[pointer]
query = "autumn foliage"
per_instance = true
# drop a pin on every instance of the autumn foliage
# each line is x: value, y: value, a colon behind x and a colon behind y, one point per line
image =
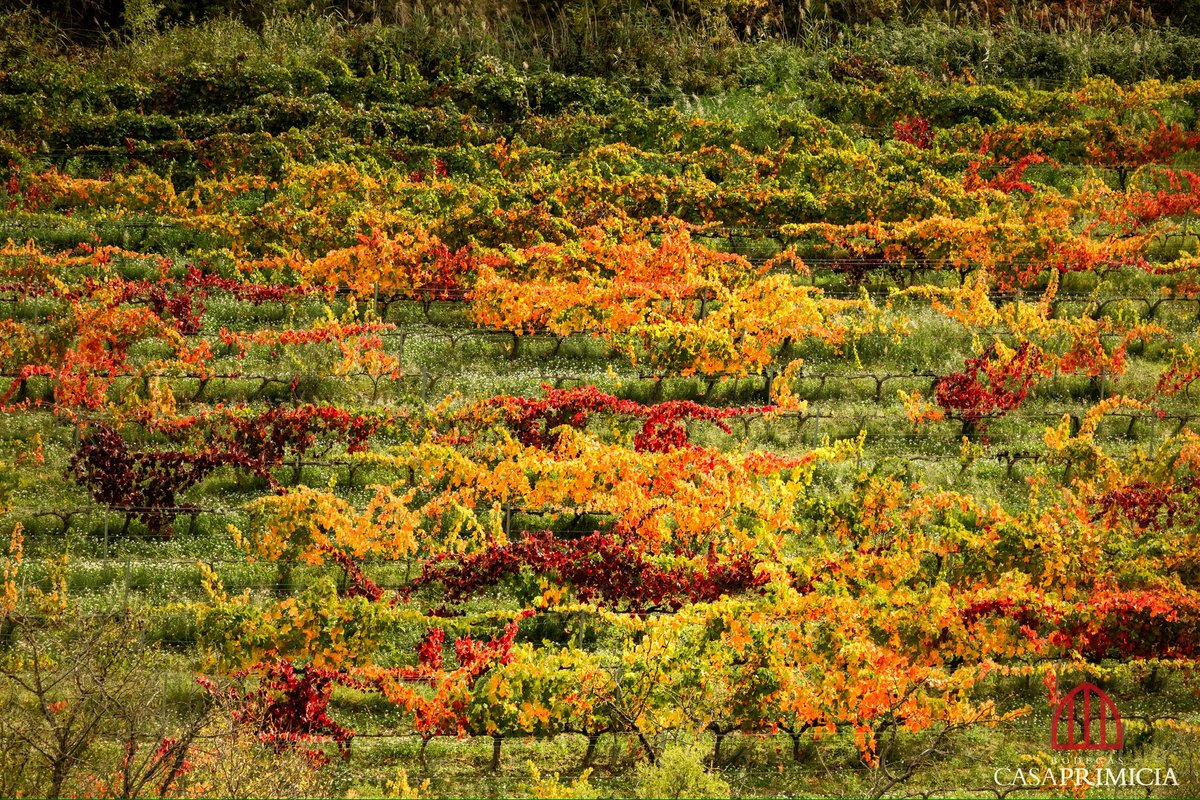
x: 502, y: 407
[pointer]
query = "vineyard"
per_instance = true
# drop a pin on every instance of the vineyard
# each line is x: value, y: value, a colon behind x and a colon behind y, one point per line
x: 476, y: 429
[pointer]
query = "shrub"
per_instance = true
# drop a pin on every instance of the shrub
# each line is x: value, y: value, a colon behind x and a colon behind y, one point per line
x: 680, y: 772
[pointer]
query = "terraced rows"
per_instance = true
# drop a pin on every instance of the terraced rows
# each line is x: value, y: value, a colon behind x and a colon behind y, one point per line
x: 823, y: 419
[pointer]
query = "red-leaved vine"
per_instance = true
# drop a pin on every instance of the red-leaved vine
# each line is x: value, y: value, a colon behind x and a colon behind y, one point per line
x: 534, y: 421
x: 598, y: 568
x: 990, y: 386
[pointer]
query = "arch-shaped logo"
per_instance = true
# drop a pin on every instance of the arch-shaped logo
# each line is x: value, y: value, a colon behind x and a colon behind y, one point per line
x: 1089, y: 719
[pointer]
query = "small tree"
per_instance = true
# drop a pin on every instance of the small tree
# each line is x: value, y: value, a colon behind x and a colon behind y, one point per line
x: 81, y: 711
x: 230, y: 759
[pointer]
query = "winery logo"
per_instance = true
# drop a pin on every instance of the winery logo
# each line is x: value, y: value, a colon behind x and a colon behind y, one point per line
x: 1086, y: 719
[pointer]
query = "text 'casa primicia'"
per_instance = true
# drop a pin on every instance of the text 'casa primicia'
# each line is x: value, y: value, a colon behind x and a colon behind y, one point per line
x: 1083, y: 776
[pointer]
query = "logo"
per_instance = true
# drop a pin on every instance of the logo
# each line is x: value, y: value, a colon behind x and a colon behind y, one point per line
x: 1086, y: 719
